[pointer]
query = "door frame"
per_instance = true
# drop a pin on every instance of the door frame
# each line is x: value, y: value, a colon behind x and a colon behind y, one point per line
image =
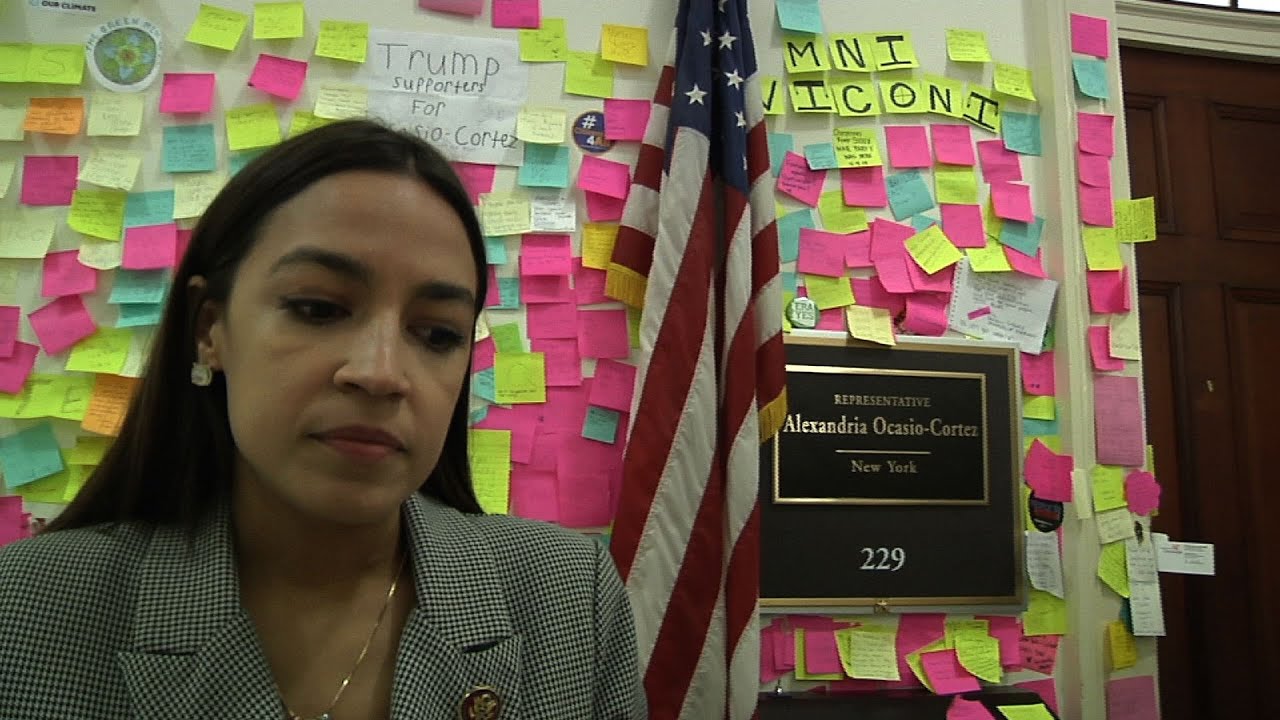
x: 1198, y: 30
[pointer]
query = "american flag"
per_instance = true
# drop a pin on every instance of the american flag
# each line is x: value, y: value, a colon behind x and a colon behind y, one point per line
x: 698, y: 251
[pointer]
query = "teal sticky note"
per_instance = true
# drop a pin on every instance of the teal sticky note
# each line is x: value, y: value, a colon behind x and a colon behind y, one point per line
x: 789, y: 226
x: 139, y: 314
x: 922, y: 222
x: 508, y: 293
x: 779, y: 145
x: 139, y: 286
x: 479, y: 414
x: 820, y: 156
x: 800, y: 16
x: 1021, y: 132
x: 601, y: 424
x: 1091, y: 77
x: 148, y: 208
x: 483, y: 385
x: 1023, y: 237
x: 495, y: 250
x: 189, y: 148
x: 29, y: 455
x: 545, y: 166
x: 908, y: 194
x: 237, y: 161
x: 789, y: 281
x: 1039, y: 428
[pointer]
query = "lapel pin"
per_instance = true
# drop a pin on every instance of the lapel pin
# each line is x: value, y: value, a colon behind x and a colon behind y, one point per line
x: 481, y: 703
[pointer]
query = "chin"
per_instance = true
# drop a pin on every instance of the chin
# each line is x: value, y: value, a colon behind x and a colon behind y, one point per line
x: 360, y: 505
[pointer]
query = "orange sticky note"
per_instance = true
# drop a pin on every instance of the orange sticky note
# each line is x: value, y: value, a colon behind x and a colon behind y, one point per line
x: 107, y: 406
x: 55, y: 115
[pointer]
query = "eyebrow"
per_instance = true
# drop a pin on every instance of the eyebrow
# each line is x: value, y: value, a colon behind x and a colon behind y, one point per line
x: 353, y: 269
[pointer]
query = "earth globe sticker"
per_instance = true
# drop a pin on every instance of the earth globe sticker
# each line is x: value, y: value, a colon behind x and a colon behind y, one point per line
x: 124, y: 54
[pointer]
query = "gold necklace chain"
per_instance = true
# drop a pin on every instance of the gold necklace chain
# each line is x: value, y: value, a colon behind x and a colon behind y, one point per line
x: 386, y: 604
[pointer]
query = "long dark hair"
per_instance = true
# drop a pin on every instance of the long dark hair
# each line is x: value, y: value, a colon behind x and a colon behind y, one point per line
x: 174, y: 455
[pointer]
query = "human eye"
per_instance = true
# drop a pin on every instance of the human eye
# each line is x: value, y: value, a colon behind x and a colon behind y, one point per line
x: 314, y: 310
x: 439, y: 338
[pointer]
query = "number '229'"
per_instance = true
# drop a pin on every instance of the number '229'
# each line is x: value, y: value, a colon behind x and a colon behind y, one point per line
x: 890, y: 559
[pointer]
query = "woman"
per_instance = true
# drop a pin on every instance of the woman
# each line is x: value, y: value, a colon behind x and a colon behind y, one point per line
x: 285, y: 527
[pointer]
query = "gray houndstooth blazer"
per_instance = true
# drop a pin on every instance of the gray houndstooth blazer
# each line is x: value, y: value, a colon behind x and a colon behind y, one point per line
x: 133, y: 622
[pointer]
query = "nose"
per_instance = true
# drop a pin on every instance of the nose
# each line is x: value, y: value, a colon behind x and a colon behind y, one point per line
x: 375, y: 362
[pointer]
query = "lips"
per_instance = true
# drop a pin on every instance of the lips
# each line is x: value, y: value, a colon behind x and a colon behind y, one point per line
x: 362, y: 435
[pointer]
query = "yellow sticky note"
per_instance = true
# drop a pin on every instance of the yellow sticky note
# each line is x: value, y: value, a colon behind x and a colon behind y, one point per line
x: 548, y: 43
x: 55, y: 115
x: 957, y: 627
x: 967, y: 45
x: 946, y: 96
x: 1015, y: 81
x: 504, y: 214
x: 115, y: 114
x: 25, y: 237
x: 11, y: 119
x: 1113, y: 567
x: 855, y: 99
x: 108, y: 168
x: 520, y: 378
x: 956, y: 184
x: 857, y: 147
x: 872, y: 324
x: 586, y: 73
x: 932, y: 250
x: 771, y: 96
x: 994, y: 224
x: 489, y: 452
x: 337, y: 102
x: 802, y: 668
x: 1136, y: 220
x: 343, y: 40
x: 988, y: 259
x: 6, y: 175
x: 597, y: 244
x: 893, y: 51
x: 217, y: 27
x: 980, y: 655
x: 803, y: 53
x: 303, y: 121
x: 97, y: 213
x: 838, y: 217
x: 88, y: 450
x: 102, y: 352
x: 917, y: 667
x: 1025, y: 712
x: 192, y: 192
x: 811, y: 95
x: 541, y: 125
x: 1039, y: 407
x: 1123, y: 647
x: 904, y: 96
x: 625, y: 44
x: 278, y: 20
x: 1126, y: 340
x: 871, y: 652
x: 851, y: 52
x: 55, y: 64
x: 1108, y: 488
x: 829, y: 292
x: 1046, y: 614
x: 13, y: 62
x: 1101, y: 251
x: 507, y: 338
x: 252, y: 126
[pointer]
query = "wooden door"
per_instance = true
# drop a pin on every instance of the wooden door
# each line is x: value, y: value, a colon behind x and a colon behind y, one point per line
x: 1204, y: 139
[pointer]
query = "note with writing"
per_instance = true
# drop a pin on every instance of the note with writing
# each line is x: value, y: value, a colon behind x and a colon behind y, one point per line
x: 109, y: 168
x: 217, y: 27
x: 967, y: 46
x: 520, y: 378
x: 869, y: 651
x: 798, y: 181
x: 189, y: 148
x: 30, y: 454
x: 1020, y: 306
x: 252, y: 126
x: 587, y: 73
x: 97, y: 213
x: 115, y: 114
x: 1118, y: 421
x: 548, y: 43
x: 343, y: 40
x: 541, y: 125
x: 489, y: 453
x: 278, y: 20
x: 625, y: 44
x: 1044, y: 562
x: 279, y: 76
x: 54, y: 115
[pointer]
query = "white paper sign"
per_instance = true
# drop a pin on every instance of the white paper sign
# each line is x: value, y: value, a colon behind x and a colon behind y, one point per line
x: 1114, y: 525
x: 553, y: 212
x: 465, y: 129
x: 1140, y: 560
x: 445, y: 66
x: 1187, y: 558
x: 1044, y: 562
x: 1146, y: 609
x: 1019, y: 306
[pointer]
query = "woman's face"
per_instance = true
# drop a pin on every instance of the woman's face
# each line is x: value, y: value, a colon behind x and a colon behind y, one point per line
x: 344, y: 343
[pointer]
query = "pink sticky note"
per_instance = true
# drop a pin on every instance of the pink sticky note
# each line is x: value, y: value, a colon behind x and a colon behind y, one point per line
x: 613, y: 386
x: 62, y: 323
x: 1045, y: 689
x: 492, y: 295
x: 962, y: 709
x: 545, y: 255
x: 1090, y: 35
x: 10, y: 322
x: 952, y: 144
x: 1039, y: 653
x: 941, y: 282
x: 279, y: 76
x: 545, y: 289
x: 1109, y: 291
x: 1038, y: 376
x: 15, y: 368
x: 889, y: 255
x: 187, y: 93
x: 457, y: 7
x: 1012, y: 201
x: 553, y: 320
x: 478, y: 179
x: 1048, y: 473
x: 769, y: 670
x: 534, y: 494
x: 998, y: 163
x: 1142, y: 492
x: 517, y: 14
x: 584, y: 497
x: 603, y: 334
x: 150, y: 247
x: 864, y: 186
x: 962, y: 224
x: 926, y: 314
x: 908, y: 146
x: 483, y: 354
x: 1097, y: 206
x: 872, y: 293
x: 564, y: 364
x: 1095, y: 170
x: 1025, y: 264
x: 1008, y: 630
x: 820, y: 652
x: 832, y: 319
x: 1100, y: 349
x: 1118, y: 421
x: 606, y: 177
x: 588, y: 284
x: 1132, y: 698
x: 798, y: 181
x: 1097, y: 133
x: 946, y: 674
x: 49, y: 179
x: 822, y: 253
x: 602, y: 208
x: 64, y: 275
x: 626, y: 119
x: 857, y: 251
x: 784, y: 653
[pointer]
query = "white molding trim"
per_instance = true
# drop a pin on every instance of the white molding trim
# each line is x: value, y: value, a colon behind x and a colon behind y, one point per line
x: 1202, y: 30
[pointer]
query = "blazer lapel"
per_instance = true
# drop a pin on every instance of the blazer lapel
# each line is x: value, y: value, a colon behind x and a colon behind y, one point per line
x: 459, y: 639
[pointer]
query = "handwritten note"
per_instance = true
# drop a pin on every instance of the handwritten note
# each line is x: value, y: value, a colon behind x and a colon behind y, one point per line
x: 279, y: 76
x: 54, y: 115
x: 342, y: 40
x: 873, y: 324
x: 1015, y: 81
x: 548, y: 43
x: 489, y: 453
x: 968, y: 46
x: 278, y: 20
x: 520, y: 378
x: 97, y: 213
x: 857, y: 147
x: 217, y: 27
x: 115, y: 114
x: 252, y: 126
x: 189, y: 148
x: 1044, y: 562
x: 192, y: 192
x: 30, y: 454
x: 336, y: 102
x: 108, y: 168
x: 1118, y: 421
x: 625, y: 44
x: 541, y: 125
x: 589, y: 74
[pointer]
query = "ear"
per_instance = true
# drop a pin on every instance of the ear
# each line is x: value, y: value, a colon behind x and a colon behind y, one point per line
x: 209, y: 330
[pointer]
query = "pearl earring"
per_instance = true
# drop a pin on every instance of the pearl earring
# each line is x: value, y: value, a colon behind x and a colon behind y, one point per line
x: 201, y: 374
